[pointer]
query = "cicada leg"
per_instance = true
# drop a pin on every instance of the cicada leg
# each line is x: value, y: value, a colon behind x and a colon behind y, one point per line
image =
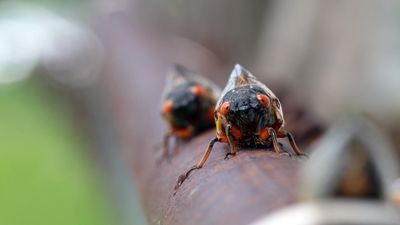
x: 289, y: 136
x: 233, y: 148
x: 179, y: 135
x: 165, y: 152
x: 199, y: 165
x: 274, y: 139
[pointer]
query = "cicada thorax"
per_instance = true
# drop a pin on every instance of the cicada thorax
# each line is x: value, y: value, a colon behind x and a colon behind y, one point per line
x: 189, y: 106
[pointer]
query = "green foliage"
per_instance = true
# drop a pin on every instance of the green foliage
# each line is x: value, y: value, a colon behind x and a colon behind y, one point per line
x: 45, y: 175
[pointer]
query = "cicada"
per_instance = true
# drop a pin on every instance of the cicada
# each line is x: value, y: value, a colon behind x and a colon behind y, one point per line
x: 188, y: 104
x: 247, y: 114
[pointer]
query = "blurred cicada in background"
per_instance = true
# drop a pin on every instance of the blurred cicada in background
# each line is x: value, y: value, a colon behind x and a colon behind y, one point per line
x: 188, y: 104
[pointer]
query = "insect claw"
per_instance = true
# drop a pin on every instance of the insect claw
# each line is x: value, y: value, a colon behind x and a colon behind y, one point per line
x: 183, y: 177
x: 285, y: 154
x: 180, y: 180
x: 229, y: 154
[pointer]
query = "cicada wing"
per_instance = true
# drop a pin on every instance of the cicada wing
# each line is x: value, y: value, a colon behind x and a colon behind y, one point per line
x: 178, y: 75
x: 214, y: 90
x: 175, y: 77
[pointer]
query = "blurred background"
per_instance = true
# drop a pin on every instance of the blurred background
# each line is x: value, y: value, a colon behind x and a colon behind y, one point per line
x: 64, y: 134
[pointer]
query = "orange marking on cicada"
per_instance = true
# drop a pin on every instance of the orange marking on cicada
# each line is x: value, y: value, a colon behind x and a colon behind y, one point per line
x: 198, y: 90
x: 184, y: 133
x: 224, y: 109
x: 210, y: 113
x: 223, y: 138
x: 167, y: 106
x: 236, y: 133
x: 264, y: 134
x: 263, y: 99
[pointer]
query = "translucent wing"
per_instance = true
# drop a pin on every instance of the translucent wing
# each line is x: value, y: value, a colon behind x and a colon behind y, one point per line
x: 178, y: 75
x: 242, y: 77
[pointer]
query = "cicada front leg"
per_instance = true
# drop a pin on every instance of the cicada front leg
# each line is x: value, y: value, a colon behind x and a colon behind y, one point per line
x: 269, y: 133
x: 232, y: 146
x: 199, y: 165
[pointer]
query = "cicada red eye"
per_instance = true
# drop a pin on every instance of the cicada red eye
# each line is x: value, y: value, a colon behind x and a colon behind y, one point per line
x: 225, y: 108
x: 264, y: 100
x: 198, y: 90
x: 167, y: 107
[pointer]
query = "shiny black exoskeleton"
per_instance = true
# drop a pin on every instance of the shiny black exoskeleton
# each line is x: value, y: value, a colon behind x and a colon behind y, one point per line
x: 248, y: 114
x: 190, y: 109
